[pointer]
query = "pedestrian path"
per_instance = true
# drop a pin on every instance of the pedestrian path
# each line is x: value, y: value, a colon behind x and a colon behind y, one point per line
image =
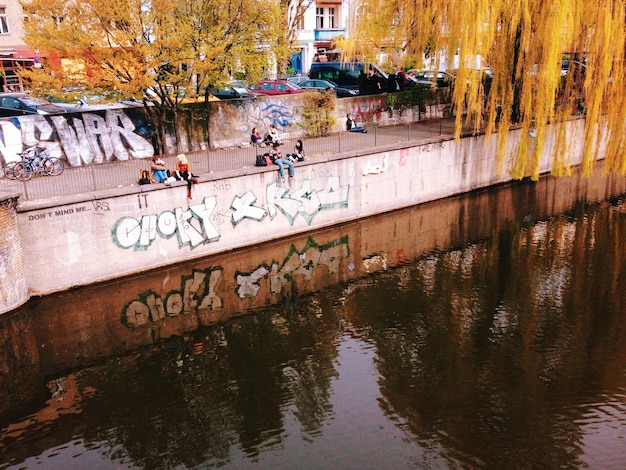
x: 125, y: 174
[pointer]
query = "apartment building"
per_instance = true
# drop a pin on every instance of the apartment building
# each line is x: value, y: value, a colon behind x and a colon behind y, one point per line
x: 317, y: 27
x: 14, y: 53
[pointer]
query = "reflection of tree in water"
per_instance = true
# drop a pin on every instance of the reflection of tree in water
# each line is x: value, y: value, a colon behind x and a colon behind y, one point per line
x: 475, y: 364
x: 188, y: 402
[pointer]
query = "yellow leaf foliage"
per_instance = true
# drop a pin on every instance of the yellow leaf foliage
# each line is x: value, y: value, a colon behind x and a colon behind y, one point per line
x: 174, y: 47
x: 523, y: 43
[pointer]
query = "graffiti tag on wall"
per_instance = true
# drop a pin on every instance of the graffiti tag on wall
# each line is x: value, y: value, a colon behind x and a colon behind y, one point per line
x: 80, y: 139
x: 194, y: 226
x: 198, y: 290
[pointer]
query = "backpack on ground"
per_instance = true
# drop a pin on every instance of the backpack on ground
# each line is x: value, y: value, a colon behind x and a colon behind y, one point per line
x: 263, y: 160
x: 144, y: 177
x: 260, y: 161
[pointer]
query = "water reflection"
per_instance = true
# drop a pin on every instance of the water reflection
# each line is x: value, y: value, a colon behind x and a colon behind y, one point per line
x: 478, y: 332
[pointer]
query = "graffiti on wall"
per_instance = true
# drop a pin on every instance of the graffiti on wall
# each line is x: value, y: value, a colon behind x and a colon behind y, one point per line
x: 239, y: 117
x: 371, y: 107
x: 198, y: 290
x: 374, y: 168
x: 191, y: 226
x: 79, y: 139
x: 196, y: 225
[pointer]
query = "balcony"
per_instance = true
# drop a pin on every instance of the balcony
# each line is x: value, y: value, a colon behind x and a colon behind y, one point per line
x: 328, y: 34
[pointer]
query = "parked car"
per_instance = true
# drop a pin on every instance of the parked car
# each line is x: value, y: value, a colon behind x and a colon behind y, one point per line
x: 344, y: 74
x: 328, y: 85
x: 276, y: 87
x: 442, y: 79
x: 20, y: 104
x: 77, y: 99
x: 232, y: 92
x: 296, y: 80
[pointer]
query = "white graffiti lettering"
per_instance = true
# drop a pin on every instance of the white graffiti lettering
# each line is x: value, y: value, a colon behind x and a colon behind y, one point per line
x: 305, y: 201
x: 375, y: 169
x: 79, y: 139
x: 192, y: 226
x: 243, y: 208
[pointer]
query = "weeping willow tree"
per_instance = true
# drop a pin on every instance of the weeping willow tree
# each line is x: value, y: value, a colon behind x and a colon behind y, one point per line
x: 523, y: 43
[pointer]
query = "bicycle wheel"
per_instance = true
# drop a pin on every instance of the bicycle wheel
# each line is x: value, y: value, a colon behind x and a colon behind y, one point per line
x: 23, y: 171
x: 53, y: 166
x: 8, y: 171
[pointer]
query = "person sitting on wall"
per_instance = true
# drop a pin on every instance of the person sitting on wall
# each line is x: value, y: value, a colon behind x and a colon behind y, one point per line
x: 272, y: 136
x: 279, y: 160
x: 183, y: 172
x: 352, y: 126
x: 255, y: 137
x: 299, y: 150
x: 158, y: 170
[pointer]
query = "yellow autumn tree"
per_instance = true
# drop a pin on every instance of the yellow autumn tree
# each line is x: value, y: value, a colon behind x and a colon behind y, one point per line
x: 162, y: 52
x: 523, y: 44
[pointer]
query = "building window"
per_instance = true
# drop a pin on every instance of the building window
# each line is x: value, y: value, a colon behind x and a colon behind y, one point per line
x: 319, y: 18
x: 326, y: 18
x: 4, y: 22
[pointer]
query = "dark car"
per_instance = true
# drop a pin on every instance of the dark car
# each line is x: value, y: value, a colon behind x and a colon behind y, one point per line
x: 296, y: 80
x: 441, y: 79
x: 20, y: 104
x: 276, y: 87
x: 232, y: 92
x: 322, y: 85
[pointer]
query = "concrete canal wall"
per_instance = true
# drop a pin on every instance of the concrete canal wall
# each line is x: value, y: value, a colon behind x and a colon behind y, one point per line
x: 88, y: 238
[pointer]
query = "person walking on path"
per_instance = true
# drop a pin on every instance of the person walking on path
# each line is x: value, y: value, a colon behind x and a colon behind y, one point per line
x: 183, y: 171
x: 279, y: 160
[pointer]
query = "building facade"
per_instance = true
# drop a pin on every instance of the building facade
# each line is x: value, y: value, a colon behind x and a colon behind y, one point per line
x: 14, y: 53
x: 318, y: 25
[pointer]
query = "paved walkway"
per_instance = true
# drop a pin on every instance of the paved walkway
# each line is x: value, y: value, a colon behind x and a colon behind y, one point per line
x: 121, y: 174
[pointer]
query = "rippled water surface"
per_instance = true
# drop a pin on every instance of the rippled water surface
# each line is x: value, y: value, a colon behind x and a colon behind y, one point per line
x: 480, y: 332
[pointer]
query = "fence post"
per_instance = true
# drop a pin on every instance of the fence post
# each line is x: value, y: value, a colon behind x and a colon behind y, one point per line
x: 93, y: 177
x: 25, y: 186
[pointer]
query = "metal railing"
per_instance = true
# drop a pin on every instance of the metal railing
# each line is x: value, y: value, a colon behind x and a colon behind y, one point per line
x: 126, y: 173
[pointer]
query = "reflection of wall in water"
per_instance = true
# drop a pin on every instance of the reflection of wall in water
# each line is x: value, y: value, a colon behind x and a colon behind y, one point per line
x: 70, y: 329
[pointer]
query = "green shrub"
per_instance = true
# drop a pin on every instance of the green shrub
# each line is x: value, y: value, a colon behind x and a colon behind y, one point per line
x: 318, y: 115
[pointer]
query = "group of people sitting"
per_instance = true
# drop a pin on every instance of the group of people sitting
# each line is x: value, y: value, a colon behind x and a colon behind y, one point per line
x: 159, y: 173
x: 272, y: 137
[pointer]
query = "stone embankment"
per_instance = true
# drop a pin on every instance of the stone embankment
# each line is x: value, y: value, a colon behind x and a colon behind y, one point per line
x: 98, y: 236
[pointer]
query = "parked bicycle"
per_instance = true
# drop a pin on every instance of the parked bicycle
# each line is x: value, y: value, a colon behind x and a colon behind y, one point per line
x: 35, y: 161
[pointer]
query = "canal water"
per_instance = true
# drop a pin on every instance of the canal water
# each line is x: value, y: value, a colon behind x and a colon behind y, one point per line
x: 481, y: 332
